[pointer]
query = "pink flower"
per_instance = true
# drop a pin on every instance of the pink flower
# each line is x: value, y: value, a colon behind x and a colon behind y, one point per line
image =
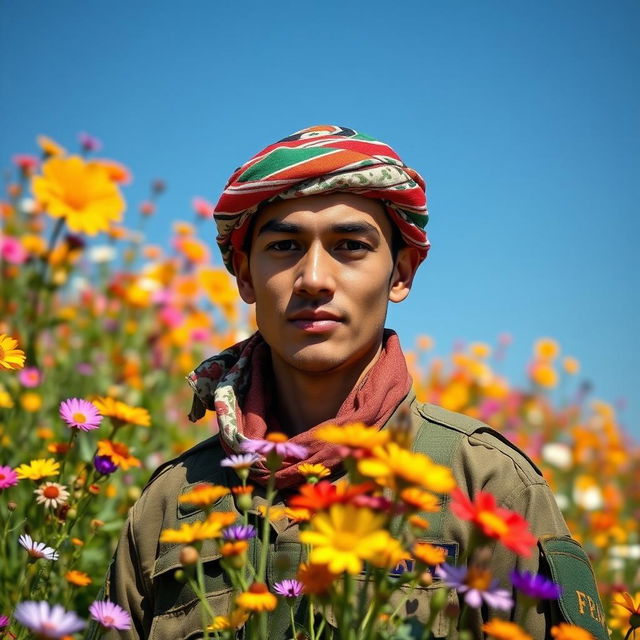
x: 202, y: 207
x: 275, y: 445
x: 80, y: 414
x: 8, y: 477
x: 30, y: 377
x: 110, y: 615
x: 48, y: 621
x: 26, y: 163
x: 12, y: 251
x: 89, y: 142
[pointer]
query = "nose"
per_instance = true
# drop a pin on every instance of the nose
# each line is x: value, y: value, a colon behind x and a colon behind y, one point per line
x: 315, y: 272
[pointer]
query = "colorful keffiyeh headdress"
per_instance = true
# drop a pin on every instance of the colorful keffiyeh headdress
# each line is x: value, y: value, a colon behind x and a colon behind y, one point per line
x: 318, y: 160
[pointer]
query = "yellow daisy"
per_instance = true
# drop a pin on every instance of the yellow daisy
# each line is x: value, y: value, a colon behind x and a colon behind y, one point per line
x: 421, y: 500
x: 316, y: 471
x: 50, y: 147
x: 10, y: 357
x: 119, y: 454
x: 204, y: 494
x: 38, y: 469
x: 355, y: 436
x: 120, y: 411
x: 193, y: 532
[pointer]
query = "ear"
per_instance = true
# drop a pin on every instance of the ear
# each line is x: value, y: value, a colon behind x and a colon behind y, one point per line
x: 240, y: 261
x: 404, y: 270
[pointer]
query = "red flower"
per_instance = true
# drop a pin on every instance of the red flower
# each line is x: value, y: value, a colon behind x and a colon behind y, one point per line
x: 321, y: 495
x: 495, y: 522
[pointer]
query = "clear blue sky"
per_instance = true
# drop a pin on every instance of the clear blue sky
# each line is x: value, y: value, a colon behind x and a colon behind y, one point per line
x: 524, y: 117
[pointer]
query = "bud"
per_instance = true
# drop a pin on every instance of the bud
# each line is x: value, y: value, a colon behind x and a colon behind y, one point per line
x: 180, y: 575
x: 12, y: 506
x: 72, y: 514
x: 97, y: 524
x: 94, y: 489
x: 245, y: 501
x: 189, y: 556
x: 425, y: 579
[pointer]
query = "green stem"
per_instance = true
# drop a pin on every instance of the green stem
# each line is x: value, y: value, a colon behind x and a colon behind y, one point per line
x: 266, y: 526
x: 293, y: 621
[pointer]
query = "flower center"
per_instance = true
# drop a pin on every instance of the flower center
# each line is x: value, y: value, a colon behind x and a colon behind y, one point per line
x: 276, y: 437
x: 493, y: 522
x: 107, y: 620
x: 120, y: 449
x: 258, y: 587
x: 479, y: 579
x: 79, y: 417
x: 2, y: 353
x: 51, y: 492
x: 2, y: 476
x: 345, y: 541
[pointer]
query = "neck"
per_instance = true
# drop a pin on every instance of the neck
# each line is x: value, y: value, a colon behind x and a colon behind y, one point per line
x: 305, y: 399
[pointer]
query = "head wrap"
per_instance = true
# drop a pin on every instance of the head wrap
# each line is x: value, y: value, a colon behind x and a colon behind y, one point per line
x: 318, y: 160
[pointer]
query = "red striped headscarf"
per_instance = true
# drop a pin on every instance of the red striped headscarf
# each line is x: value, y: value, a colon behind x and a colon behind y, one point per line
x: 318, y: 160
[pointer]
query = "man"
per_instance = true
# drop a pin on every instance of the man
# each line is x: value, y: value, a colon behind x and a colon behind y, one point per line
x: 322, y: 230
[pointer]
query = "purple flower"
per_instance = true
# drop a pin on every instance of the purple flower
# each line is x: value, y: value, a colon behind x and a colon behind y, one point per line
x: 30, y: 377
x: 288, y: 588
x: 239, y: 532
x: 89, y: 142
x: 4, y: 621
x: 80, y: 414
x: 84, y: 368
x: 46, y: 621
x: 8, y: 477
x: 535, y: 586
x: 104, y: 465
x: 242, y: 461
x: 476, y: 586
x: 273, y: 444
x: 110, y: 615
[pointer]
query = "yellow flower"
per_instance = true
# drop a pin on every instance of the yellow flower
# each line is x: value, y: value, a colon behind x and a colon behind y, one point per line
x: 50, y: 147
x: 571, y: 365
x: 480, y: 350
x: 392, y: 465
x: 31, y: 401
x: 313, y: 470
x: 218, y: 285
x: 564, y: 631
x: 34, y: 244
x: 204, y: 494
x: 193, y: 532
x: 38, y: 469
x: 544, y: 375
x: 81, y: 193
x: 428, y: 553
x: 345, y: 536
x: 5, y: 399
x: 546, y: 349
x: 421, y: 500
x: 79, y: 578
x: 497, y: 629
x: 276, y: 512
x: 236, y: 548
x: 355, y: 435
x: 315, y: 578
x: 257, y: 598
x: 233, y: 621
x: 119, y: 453
x: 455, y: 396
x: 120, y: 411
x: 623, y: 608
x: 10, y: 357
x: 389, y: 556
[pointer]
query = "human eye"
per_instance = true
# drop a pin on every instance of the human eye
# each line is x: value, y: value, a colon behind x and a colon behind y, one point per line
x: 282, y: 245
x: 354, y: 246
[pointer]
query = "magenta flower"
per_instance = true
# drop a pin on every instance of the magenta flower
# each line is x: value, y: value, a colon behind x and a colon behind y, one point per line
x: 30, y: 377
x: 535, y: 586
x: 239, y: 532
x: 11, y: 250
x: 475, y: 586
x: 4, y: 621
x: 89, y: 142
x: 8, y: 477
x: 80, y: 414
x: 110, y: 615
x: 37, y: 549
x: 46, y: 621
x: 26, y: 163
x: 288, y: 588
x: 275, y: 446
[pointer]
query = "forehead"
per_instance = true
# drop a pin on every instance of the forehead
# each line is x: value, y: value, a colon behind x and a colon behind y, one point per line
x: 322, y: 212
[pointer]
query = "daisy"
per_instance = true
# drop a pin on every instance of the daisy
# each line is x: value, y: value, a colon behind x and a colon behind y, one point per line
x: 38, y: 469
x: 80, y: 414
x: 8, y: 477
x: 122, y: 412
x: 10, y: 357
x: 46, y: 621
x: 288, y: 588
x: 313, y: 472
x: 52, y: 495
x: 119, y: 454
x: 476, y: 586
x: 37, y: 549
x: 204, y: 494
x: 257, y: 598
x: 276, y: 444
x: 241, y: 461
x: 30, y: 377
x: 239, y: 532
x: 564, y: 631
x: 497, y: 629
x: 110, y: 615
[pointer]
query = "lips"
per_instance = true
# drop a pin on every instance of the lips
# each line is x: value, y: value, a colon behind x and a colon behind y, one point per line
x: 315, y: 321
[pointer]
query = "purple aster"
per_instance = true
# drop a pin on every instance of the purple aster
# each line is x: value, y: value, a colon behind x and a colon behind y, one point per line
x: 242, y: 461
x: 89, y: 142
x: 80, y: 414
x: 275, y: 446
x: 239, y: 532
x: 110, y: 615
x: 535, y: 586
x: 46, y: 621
x: 476, y: 586
x: 8, y: 477
x: 104, y: 465
x: 288, y: 588
x: 4, y: 621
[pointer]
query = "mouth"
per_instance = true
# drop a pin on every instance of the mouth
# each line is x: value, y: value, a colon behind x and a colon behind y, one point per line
x: 315, y: 321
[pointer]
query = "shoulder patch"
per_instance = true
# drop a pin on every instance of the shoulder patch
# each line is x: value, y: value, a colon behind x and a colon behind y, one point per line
x: 570, y: 567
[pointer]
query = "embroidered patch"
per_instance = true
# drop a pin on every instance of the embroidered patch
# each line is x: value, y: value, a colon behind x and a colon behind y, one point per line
x: 579, y: 603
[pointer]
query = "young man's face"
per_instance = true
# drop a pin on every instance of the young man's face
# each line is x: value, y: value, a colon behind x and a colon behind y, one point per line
x: 321, y: 273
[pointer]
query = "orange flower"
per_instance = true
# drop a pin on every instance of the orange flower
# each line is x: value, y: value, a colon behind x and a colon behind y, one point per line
x: 117, y: 172
x: 546, y: 349
x: 321, y: 495
x: 257, y: 598
x: 79, y: 578
x: 418, y: 522
x: 50, y: 147
x: 120, y: 411
x: 354, y: 436
x: 497, y: 629
x: 625, y: 612
x: 421, y: 500
x: 316, y: 578
x: 204, y: 494
x: 234, y: 548
x: 564, y: 631
x: 119, y: 453
x: 429, y: 554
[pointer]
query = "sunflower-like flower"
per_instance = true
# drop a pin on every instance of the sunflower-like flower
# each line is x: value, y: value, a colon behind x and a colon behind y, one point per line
x: 123, y: 412
x: 345, y: 536
x: 81, y: 193
x: 421, y: 500
x: 625, y: 613
x: 10, y: 357
x: 192, y: 532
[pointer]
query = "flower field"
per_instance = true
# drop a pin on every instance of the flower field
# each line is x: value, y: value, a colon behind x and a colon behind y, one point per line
x: 97, y: 332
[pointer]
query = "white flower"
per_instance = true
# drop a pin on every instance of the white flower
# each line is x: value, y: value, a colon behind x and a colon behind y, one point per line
x: 589, y: 498
x: 627, y: 551
x: 52, y: 494
x: 28, y: 205
x: 37, y: 549
x: 101, y: 253
x: 557, y: 455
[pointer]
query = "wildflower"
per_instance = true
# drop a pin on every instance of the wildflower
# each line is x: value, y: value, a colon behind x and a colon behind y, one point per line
x: 109, y: 615
x: 38, y: 469
x: 37, y: 549
x: 46, y: 621
x: 30, y: 377
x: 147, y: 208
x: 390, y: 555
x: 319, y: 496
x: 429, y: 554
x: 77, y: 542
x: 52, y: 495
x: 625, y: 613
x: 345, y: 536
x: 12, y: 250
x: 31, y: 401
x: 81, y: 193
x: 564, y: 631
x: 204, y: 494
x: 233, y: 621
x: 546, y: 349
x: 237, y: 548
x: 313, y: 472
x: 239, y: 532
x: 80, y: 414
x: 201, y: 530
x: 544, y: 375
x: 202, y: 208
x: 418, y: 522
x: 119, y: 454
x: 79, y: 578
x: 353, y: 436
x: 316, y: 578
x: 571, y: 365
x: 535, y: 586
x: 104, y: 465
x: 10, y: 357
x: 26, y: 163
x: 476, y: 586
x: 123, y: 412
x: 257, y: 598
x: 288, y: 588
x: 8, y: 477
x: 115, y: 171
x: 421, y: 500
x: 50, y: 147
x: 4, y: 621
x: 495, y: 522
x: 88, y: 142
x: 391, y: 465
x: 275, y: 443
x: 497, y: 629
x: 276, y: 512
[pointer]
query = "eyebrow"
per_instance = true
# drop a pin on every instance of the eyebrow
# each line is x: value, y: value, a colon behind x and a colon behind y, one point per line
x: 278, y: 226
